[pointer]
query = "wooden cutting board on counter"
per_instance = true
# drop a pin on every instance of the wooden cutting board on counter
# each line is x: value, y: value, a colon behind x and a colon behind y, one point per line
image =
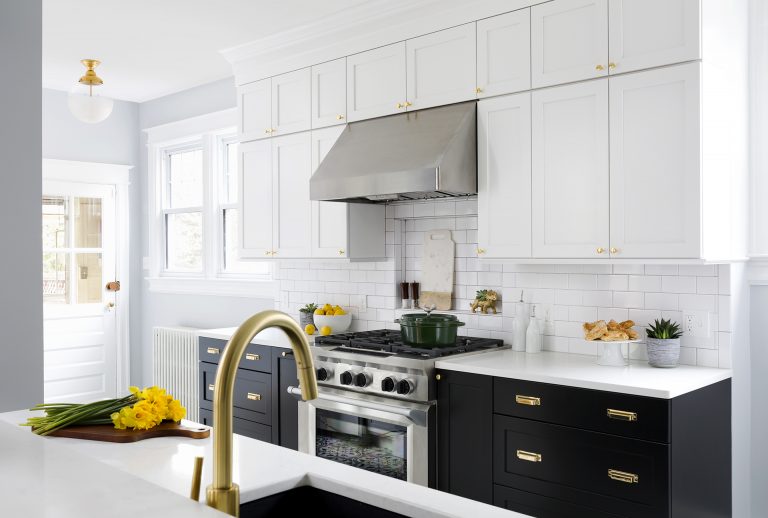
x: 108, y: 433
x: 437, y: 269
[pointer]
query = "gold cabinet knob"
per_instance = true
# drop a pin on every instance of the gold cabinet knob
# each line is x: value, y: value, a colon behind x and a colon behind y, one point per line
x: 399, y: 105
x: 341, y: 252
x: 599, y: 67
x: 611, y: 65
x: 273, y: 130
x: 212, y: 350
x: 614, y: 250
x: 253, y: 357
x: 408, y: 103
x: 253, y: 396
x: 480, y: 251
x: 478, y: 90
x: 438, y: 377
x: 274, y: 252
x: 623, y: 476
x: 529, y: 456
x: 339, y: 117
x: 267, y: 131
x: 600, y: 250
x: 267, y: 252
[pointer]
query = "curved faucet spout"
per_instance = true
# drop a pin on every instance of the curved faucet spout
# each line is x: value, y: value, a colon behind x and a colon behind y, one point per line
x: 223, y: 494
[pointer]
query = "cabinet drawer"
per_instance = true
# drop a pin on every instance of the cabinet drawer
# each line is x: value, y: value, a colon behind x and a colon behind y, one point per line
x: 256, y: 357
x: 252, y: 397
x: 609, y: 412
x: 631, y: 470
x: 241, y: 426
x: 542, y: 506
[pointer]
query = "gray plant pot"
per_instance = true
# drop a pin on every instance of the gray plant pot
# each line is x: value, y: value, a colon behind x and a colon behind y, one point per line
x: 663, y: 353
x: 306, y: 318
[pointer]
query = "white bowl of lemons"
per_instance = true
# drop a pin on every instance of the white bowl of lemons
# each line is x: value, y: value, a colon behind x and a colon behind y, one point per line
x: 331, y: 319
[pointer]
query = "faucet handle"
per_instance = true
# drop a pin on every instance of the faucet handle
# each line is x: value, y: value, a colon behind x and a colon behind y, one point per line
x: 197, y: 475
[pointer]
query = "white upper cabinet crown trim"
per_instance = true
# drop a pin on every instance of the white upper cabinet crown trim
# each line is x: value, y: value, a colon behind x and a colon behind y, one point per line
x: 504, y: 54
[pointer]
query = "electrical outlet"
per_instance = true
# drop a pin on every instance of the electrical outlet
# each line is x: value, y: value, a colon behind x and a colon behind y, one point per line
x: 696, y: 323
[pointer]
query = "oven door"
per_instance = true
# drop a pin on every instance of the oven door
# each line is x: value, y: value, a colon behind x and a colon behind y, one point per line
x: 385, y: 436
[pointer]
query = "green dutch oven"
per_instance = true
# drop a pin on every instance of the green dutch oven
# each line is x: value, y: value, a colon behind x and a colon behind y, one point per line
x: 428, y: 330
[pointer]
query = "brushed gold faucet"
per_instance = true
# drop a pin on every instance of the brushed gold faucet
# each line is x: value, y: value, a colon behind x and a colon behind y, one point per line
x: 223, y: 494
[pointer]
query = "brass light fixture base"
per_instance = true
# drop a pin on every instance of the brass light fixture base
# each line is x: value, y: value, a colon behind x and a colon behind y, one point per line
x: 90, y: 78
x: 225, y: 500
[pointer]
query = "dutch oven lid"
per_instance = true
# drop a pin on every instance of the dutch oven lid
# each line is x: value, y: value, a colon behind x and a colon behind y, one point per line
x: 427, y: 319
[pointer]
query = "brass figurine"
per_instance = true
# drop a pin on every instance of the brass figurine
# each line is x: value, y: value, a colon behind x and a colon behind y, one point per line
x: 485, y: 300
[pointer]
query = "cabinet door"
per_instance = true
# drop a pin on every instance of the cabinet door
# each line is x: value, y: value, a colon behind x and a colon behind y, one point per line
x: 291, y: 102
x: 289, y: 405
x: 329, y: 93
x: 329, y: 218
x: 569, y: 41
x: 441, y: 67
x: 504, y: 176
x: 255, y: 167
x: 650, y: 33
x: 376, y: 82
x: 656, y: 163
x: 570, y: 171
x: 292, y: 209
x: 504, y: 53
x: 254, y: 105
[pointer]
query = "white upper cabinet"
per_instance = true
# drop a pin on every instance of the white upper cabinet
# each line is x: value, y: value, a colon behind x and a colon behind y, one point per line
x: 376, y: 82
x: 291, y: 207
x: 569, y: 41
x: 656, y: 164
x: 504, y: 176
x: 291, y: 102
x: 441, y: 67
x: 570, y: 171
x: 254, y: 103
x: 329, y: 93
x: 504, y: 54
x: 255, y: 167
x: 329, y: 218
x: 649, y: 33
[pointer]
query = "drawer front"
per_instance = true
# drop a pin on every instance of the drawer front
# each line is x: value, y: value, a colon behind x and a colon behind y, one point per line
x: 543, y: 506
x: 256, y: 357
x: 609, y: 412
x: 253, y: 393
x: 628, y: 469
x: 241, y: 426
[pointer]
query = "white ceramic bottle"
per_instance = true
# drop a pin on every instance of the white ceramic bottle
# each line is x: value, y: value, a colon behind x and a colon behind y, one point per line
x: 533, y: 334
x: 520, y: 325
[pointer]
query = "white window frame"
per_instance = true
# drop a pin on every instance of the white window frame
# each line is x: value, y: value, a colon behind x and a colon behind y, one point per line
x: 210, y: 131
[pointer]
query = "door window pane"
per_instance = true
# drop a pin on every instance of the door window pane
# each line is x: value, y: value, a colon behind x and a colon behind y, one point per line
x: 184, y: 241
x: 55, y: 272
x: 88, y: 284
x: 87, y: 222
x: 54, y: 222
x: 185, y: 179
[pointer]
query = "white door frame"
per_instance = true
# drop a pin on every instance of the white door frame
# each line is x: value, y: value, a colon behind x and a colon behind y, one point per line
x: 117, y: 176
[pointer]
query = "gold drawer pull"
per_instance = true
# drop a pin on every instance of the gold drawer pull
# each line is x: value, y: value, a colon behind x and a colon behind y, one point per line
x: 252, y: 357
x: 528, y: 456
x: 213, y: 350
x: 622, y: 415
x: 528, y: 400
x: 210, y: 387
x: 253, y: 396
x: 623, y: 476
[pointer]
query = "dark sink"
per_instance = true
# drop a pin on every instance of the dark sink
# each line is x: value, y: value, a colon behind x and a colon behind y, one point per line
x: 296, y: 502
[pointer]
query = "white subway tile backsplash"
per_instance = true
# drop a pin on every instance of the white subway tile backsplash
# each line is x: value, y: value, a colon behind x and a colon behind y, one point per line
x: 678, y: 284
x: 644, y: 283
x: 698, y: 303
x: 628, y: 299
x: 661, y: 301
x: 582, y: 281
x: 661, y: 269
x: 701, y: 270
x: 706, y: 285
x: 612, y: 282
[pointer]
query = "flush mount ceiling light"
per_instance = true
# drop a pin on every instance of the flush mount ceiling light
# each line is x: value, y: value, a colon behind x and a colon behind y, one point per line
x: 82, y: 103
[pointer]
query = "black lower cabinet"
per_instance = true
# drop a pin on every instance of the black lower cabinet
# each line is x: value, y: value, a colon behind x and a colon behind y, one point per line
x: 539, y: 505
x: 241, y: 426
x: 288, y: 404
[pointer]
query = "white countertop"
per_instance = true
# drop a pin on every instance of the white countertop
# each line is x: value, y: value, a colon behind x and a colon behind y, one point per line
x: 582, y: 371
x: 68, y: 478
x: 273, y: 337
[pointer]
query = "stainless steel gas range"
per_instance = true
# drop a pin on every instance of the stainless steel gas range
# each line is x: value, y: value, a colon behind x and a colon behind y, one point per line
x: 377, y: 403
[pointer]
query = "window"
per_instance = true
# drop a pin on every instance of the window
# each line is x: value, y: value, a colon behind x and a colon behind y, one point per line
x: 183, y: 209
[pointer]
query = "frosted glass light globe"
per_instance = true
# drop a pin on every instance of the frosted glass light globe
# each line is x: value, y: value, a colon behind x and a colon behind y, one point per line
x: 89, y: 108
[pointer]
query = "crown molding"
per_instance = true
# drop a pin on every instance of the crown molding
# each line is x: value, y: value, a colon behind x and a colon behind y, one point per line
x: 369, y: 25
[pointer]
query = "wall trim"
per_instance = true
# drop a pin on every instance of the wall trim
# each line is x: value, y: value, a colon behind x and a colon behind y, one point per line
x: 182, y: 129
x: 214, y: 287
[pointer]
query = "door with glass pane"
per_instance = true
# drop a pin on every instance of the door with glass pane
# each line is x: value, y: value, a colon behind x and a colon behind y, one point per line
x: 79, y: 307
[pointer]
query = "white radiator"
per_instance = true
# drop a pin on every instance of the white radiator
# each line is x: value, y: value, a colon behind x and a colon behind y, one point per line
x: 174, y: 359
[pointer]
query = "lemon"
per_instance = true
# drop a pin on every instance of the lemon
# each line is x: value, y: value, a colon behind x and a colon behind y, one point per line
x: 339, y: 312
x: 309, y: 329
x: 319, y: 311
x: 336, y: 308
x: 327, y: 308
x: 325, y: 330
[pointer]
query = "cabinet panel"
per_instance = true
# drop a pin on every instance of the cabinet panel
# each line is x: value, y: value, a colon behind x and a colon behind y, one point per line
x: 289, y: 405
x: 376, y: 82
x: 441, y: 67
x: 650, y: 33
x: 241, y: 426
x: 329, y: 219
x: 504, y: 176
x: 656, y: 163
x: 292, y: 209
x: 256, y: 357
x: 329, y: 93
x: 542, y: 506
x: 570, y: 171
x: 252, y: 395
x: 569, y: 41
x: 291, y: 102
x: 254, y: 102
x: 504, y: 53
x: 256, y: 213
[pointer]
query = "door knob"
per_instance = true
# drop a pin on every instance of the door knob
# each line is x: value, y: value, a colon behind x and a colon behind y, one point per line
x: 113, y: 286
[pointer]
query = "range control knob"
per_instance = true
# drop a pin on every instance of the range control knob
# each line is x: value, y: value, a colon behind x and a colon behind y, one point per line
x: 404, y: 387
x: 346, y: 378
x: 388, y: 384
x: 323, y: 374
x: 362, y: 379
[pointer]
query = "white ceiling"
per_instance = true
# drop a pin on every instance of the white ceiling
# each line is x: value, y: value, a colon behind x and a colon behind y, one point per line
x: 151, y: 48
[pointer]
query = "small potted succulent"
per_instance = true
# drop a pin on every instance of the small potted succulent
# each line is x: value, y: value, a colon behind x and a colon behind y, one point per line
x: 663, y: 343
x: 306, y: 315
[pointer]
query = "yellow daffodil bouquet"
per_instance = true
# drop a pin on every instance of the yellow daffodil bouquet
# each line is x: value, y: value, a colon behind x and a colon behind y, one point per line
x: 141, y: 410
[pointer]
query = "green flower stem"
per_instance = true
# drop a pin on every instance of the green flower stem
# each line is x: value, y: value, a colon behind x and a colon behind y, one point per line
x: 59, y: 415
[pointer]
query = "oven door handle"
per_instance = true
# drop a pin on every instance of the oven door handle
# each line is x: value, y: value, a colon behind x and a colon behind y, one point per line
x: 417, y: 416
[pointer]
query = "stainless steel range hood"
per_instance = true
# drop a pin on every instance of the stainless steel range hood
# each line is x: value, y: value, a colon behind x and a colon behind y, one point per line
x: 424, y: 154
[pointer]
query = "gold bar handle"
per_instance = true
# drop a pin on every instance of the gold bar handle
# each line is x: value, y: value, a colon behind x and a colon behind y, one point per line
x: 213, y: 350
x: 621, y: 415
x: 211, y: 387
x: 253, y: 357
x: 197, y: 475
x: 527, y: 400
x: 528, y: 456
x: 623, y: 476
x: 253, y: 396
